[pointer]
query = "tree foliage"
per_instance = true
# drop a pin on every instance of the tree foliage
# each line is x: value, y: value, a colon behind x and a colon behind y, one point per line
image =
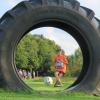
x: 35, y: 52
x: 75, y: 63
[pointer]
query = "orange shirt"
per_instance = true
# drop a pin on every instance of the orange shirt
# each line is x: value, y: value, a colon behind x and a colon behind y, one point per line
x: 65, y: 62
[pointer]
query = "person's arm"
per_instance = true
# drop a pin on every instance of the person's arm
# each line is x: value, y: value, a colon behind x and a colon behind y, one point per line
x: 54, y: 61
x: 65, y: 60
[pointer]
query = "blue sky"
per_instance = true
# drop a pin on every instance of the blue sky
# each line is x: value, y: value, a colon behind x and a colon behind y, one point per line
x: 59, y: 36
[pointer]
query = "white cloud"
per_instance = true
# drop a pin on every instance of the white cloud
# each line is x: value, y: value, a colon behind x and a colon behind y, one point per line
x: 13, y: 2
x: 63, y: 39
x: 49, y: 31
x: 93, y: 5
x: 92, y: 2
x: 67, y: 43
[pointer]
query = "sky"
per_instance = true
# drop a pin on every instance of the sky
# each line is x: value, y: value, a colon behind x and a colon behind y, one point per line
x: 66, y: 41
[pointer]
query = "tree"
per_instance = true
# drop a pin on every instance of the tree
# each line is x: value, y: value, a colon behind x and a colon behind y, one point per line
x: 34, y: 52
x: 75, y: 63
x: 21, y: 56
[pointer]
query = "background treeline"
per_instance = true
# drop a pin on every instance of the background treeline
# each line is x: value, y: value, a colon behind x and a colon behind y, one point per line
x: 75, y: 63
x: 34, y: 52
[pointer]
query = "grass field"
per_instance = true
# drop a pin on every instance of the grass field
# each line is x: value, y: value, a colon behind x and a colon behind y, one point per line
x: 38, y: 85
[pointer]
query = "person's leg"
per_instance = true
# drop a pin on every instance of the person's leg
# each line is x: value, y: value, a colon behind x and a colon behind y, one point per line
x: 58, y: 82
x: 57, y: 76
x: 57, y: 79
x: 61, y: 74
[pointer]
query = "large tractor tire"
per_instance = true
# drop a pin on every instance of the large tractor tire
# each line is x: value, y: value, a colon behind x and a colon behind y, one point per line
x: 64, y: 14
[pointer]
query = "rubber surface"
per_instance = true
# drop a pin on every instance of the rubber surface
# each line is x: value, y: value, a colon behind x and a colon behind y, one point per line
x: 65, y: 14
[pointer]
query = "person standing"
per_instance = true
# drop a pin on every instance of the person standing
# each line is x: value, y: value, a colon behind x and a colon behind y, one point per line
x: 60, y: 63
x: 20, y: 73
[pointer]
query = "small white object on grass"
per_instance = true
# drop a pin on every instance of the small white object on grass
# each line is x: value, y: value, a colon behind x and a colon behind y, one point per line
x: 48, y: 80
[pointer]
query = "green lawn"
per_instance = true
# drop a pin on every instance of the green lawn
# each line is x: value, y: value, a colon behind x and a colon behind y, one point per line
x: 38, y: 85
